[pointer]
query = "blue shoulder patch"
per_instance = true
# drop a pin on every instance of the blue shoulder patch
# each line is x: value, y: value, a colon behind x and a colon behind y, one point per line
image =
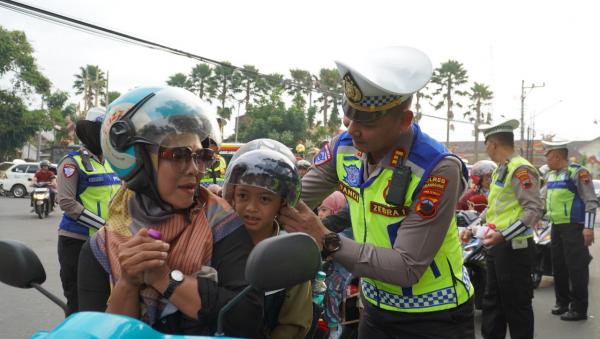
x: 323, y: 156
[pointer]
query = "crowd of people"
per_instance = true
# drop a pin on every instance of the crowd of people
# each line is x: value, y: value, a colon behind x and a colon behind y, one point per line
x: 157, y: 226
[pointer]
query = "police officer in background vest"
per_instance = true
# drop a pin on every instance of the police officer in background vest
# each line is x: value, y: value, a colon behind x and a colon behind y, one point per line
x: 86, y: 184
x: 402, y: 188
x: 514, y: 206
x: 571, y: 207
x: 215, y: 174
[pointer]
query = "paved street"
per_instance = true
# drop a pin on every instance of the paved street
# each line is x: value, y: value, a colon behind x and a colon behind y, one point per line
x: 25, y: 311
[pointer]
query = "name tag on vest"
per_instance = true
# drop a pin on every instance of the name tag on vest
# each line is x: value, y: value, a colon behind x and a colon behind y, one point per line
x: 349, y: 192
x: 388, y: 211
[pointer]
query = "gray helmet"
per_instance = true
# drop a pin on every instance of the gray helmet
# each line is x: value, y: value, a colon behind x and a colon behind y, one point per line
x: 45, y: 163
x: 264, y: 168
x: 265, y: 144
x: 303, y: 164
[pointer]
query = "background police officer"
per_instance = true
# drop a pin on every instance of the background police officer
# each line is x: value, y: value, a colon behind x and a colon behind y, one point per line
x: 216, y: 174
x: 571, y: 207
x: 514, y: 205
x: 86, y: 184
x: 413, y: 282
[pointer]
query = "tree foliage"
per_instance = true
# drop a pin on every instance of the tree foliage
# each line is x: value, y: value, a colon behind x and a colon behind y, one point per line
x: 480, y: 95
x: 91, y: 82
x: 449, y: 77
x: 270, y: 118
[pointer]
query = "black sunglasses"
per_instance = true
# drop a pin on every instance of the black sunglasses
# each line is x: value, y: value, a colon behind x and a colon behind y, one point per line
x: 203, y: 157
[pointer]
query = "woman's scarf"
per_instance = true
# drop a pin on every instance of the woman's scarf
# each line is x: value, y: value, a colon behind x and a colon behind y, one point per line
x: 191, y: 236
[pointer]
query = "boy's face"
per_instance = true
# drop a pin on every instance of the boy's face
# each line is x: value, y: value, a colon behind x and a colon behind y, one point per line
x: 256, y: 206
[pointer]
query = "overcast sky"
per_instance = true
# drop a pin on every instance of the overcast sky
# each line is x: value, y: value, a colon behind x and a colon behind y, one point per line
x: 500, y: 43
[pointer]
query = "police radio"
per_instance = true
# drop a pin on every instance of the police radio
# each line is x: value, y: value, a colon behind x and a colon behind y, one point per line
x: 399, y: 184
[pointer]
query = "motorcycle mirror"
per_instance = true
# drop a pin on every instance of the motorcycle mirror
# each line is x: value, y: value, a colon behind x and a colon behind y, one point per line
x: 277, y: 263
x: 282, y: 262
x: 19, y: 265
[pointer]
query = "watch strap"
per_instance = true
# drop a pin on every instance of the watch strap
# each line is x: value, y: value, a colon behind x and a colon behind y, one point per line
x: 171, y: 287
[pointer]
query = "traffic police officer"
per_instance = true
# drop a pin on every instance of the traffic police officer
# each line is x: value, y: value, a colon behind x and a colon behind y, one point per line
x: 571, y: 207
x: 215, y: 174
x: 402, y: 188
x: 514, y: 206
x: 86, y: 184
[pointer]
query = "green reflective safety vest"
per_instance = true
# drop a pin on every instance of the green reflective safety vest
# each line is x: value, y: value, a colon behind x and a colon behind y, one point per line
x: 445, y: 284
x: 563, y: 204
x: 503, y: 207
x: 218, y: 172
x: 95, y: 189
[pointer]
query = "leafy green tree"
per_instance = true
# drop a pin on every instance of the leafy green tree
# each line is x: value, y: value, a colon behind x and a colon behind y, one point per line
x: 301, y: 84
x: 18, y: 65
x: 449, y: 76
x: 91, y: 82
x: 19, y: 69
x: 112, y: 96
x: 199, y: 80
x: 269, y: 118
x: 57, y: 100
x: 480, y: 95
x: 179, y: 80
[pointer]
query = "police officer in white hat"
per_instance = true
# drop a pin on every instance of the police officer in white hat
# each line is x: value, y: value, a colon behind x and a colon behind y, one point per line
x: 514, y: 206
x: 402, y: 188
x: 571, y: 207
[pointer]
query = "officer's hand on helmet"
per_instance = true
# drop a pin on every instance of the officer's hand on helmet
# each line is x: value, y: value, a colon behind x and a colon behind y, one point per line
x: 303, y: 219
x: 492, y: 239
x: 141, y: 253
x: 588, y: 236
x: 466, y: 235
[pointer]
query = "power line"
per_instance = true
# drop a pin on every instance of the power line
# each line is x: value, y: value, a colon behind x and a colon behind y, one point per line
x: 104, y: 32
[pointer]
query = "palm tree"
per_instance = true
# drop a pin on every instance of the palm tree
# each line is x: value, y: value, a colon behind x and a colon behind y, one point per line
x: 330, y: 84
x: 91, y: 82
x: 224, y: 84
x: 179, y: 80
x: 480, y: 95
x: 449, y: 76
x: 419, y: 96
x: 198, y: 80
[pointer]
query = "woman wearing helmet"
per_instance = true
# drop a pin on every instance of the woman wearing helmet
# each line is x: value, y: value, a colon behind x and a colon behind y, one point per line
x: 481, y: 177
x: 258, y: 182
x: 151, y: 260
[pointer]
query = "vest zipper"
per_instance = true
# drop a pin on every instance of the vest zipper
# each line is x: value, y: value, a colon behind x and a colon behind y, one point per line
x: 454, y: 281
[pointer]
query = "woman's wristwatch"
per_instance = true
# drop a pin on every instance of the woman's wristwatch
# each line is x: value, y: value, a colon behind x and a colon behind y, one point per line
x: 331, y: 244
x: 175, y: 279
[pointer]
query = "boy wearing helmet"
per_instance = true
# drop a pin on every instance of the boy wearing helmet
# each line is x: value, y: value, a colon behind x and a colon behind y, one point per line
x: 167, y: 277
x: 258, y: 183
x: 86, y: 184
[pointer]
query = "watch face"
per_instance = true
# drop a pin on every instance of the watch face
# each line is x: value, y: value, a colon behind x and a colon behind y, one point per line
x: 332, y: 242
x: 177, y: 275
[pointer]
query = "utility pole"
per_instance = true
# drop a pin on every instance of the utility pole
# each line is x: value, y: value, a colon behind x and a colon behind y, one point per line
x: 106, y: 91
x: 523, y: 95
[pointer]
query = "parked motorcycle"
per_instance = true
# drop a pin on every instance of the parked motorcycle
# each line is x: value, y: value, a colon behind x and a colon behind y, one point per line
x: 40, y: 197
x: 20, y: 267
x: 542, y: 237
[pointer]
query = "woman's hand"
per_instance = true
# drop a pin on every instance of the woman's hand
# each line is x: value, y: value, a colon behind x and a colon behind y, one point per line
x: 141, y: 253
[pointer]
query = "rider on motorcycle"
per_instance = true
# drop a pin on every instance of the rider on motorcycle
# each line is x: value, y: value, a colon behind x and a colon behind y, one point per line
x: 44, y: 176
x: 476, y: 197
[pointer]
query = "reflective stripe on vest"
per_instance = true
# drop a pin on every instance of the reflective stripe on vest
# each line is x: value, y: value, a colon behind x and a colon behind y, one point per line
x: 563, y: 204
x: 503, y: 207
x: 95, y: 189
x: 445, y: 284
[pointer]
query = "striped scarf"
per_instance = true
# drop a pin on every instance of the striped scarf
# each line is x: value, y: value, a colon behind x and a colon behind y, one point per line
x: 190, y: 236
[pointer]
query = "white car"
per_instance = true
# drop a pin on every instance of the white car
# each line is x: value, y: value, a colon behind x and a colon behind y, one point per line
x: 597, y: 188
x: 17, y: 177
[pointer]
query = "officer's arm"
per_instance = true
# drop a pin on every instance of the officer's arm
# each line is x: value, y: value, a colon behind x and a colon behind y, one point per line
x: 585, y: 190
x: 526, y: 186
x: 338, y: 222
x: 67, y: 180
x: 417, y: 240
x: 321, y: 180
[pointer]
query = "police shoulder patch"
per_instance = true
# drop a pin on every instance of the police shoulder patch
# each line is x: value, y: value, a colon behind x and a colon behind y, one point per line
x: 69, y: 170
x: 430, y: 196
x: 323, y: 156
x: 525, y: 180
